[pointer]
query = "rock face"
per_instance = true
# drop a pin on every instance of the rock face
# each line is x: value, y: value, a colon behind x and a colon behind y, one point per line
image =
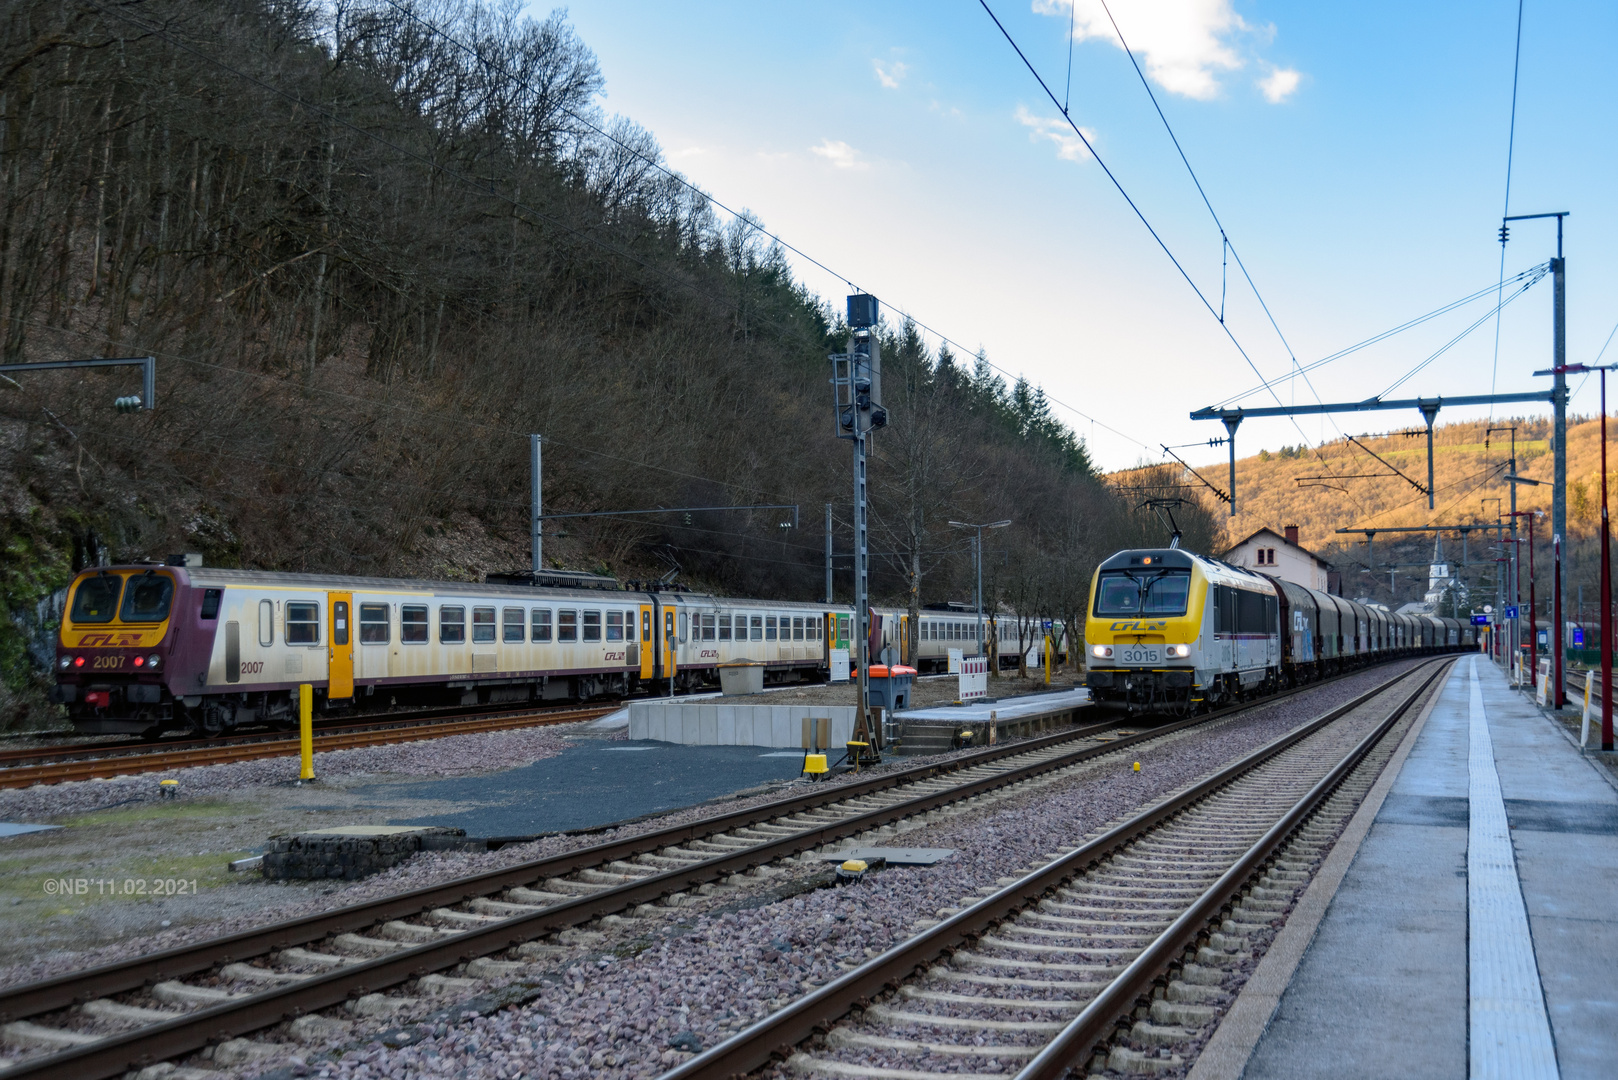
x: 352, y: 852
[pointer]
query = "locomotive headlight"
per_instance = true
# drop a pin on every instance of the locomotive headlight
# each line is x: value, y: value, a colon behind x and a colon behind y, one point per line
x: 65, y: 662
x: 1102, y: 651
x: 151, y: 661
x: 1179, y: 650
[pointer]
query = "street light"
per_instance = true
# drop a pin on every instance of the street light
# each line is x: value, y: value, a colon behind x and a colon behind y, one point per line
x: 977, y: 558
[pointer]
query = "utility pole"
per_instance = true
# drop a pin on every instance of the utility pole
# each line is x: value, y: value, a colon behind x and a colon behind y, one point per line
x: 1232, y: 421
x: 1606, y: 567
x: 857, y: 399
x: 534, y: 514
x: 1558, y: 373
x: 828, y: 555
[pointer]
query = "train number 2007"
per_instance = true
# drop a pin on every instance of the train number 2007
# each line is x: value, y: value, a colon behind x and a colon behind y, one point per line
x: 252, y: 667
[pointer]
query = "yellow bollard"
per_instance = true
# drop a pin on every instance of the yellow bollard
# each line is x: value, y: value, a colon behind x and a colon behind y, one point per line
x: 306, y: 729
x: 1137, y: 766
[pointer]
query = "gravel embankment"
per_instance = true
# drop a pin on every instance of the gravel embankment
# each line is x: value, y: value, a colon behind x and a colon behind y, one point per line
x: 637, y: 1002
x: 429, y: 868
x: 449, y: 756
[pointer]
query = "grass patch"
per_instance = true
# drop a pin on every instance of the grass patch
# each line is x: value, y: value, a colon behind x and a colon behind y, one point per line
x: 166, y: 810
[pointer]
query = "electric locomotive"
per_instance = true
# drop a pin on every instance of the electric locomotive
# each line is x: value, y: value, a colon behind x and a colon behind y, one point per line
x: 1170, y: 630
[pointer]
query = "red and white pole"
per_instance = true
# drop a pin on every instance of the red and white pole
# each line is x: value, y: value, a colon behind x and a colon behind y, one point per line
x: 1606, y: 586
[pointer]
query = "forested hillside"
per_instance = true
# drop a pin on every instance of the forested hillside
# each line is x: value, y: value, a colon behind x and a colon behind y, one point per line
x: 371, y: 257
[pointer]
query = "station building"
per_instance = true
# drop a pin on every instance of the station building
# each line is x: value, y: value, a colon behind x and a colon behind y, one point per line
x: 1280, y: 555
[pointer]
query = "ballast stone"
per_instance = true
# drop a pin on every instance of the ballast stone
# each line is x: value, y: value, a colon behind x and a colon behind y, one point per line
x: 352, y: 851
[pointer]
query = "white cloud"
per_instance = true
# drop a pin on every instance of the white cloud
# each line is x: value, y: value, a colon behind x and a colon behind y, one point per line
x: 1279, y: 84
x: 1069, y: 147
x: 1185, y: 45
x: 839, y: 154
x: 890, y: 74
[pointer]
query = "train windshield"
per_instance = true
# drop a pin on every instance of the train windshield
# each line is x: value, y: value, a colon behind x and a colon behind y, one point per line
x: 96, y: 599
x: 1164, y: 592
x: 147, y: 599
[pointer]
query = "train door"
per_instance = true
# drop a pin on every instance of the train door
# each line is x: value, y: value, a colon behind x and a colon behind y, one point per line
x: 669, y: 644
x: 340, y: 648
x: 648, y: 651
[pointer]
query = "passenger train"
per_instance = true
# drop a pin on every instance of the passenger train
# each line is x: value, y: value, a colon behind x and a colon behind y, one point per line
x: 145, y: 648
x: 1175, y: 631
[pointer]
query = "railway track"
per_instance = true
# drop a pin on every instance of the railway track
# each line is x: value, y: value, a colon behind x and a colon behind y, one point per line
x: 106, y: 1021
x: 1125, y: 940
x: 92, y: 762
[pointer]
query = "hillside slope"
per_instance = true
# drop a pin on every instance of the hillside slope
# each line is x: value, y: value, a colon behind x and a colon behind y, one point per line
x: 1341, y: 485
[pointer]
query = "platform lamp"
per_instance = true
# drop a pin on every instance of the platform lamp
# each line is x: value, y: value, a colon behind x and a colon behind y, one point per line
x: 1606, y: 563
x: 977, y: 558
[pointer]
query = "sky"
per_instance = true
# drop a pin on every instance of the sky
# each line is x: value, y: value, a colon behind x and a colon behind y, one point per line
x: 1356, y: 156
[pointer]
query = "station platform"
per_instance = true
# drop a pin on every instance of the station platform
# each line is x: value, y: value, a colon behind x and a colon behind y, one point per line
x: 1474, y: 932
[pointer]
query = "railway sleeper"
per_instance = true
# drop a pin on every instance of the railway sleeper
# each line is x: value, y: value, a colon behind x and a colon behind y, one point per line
x: 890, y: 1015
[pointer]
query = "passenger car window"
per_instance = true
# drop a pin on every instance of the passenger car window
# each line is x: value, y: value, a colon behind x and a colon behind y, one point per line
x: 482, y: 625
x: 615, y: 626
x: 97, y: 598
x: 452, y: 625
x: 758, y: 628
x: 266, y: 623
x: 374, y: 624
x: 511, y: 626
x: 303, y: 623
x: 682, y: 628
x: 339, y: 622
x: 724, y: 628
x: 540, y: 622
x: 567, y: 626
x: 797, y: 629
x: 592, y: 626
x: 147, y: 598
x: 413, y: 624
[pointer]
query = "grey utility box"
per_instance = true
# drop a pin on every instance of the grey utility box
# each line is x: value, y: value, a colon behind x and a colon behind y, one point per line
x: 741, y: 678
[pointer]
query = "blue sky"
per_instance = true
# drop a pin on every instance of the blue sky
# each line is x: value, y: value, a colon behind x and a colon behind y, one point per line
x: 1356, y: 155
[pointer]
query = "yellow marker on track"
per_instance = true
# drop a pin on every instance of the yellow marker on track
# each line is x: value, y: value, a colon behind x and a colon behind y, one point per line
x: 1137, y: 766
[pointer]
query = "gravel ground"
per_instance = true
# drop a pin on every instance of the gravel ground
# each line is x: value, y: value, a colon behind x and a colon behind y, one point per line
x: 423, y: 870
x: 654, y: 989
x: 450, y: 756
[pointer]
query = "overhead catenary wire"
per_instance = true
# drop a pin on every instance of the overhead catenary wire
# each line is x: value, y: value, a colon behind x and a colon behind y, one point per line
x: 1511, y: 146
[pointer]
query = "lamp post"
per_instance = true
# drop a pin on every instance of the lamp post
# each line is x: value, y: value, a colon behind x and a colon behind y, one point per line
x: 1533, y: 625
x: 977, y: 558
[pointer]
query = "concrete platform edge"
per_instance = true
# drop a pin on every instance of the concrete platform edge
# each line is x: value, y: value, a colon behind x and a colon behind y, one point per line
x: 1226, y: 1055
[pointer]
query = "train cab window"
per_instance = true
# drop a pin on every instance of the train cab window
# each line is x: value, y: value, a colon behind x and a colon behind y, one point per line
x: 797, y: 628
x: 758, y: 628
x: 724, y: 628
x: 769, y: 628
x: 512, y: 631
x: 266, y: 623
x: 615, y: 626
x: 452, y: 625
x: 147, y: 598
x: 592, y: 626
x: 1124, y: 592
x: 210, y: 602
x: 413, y: 624
x: 373, y: 624
x: 303, y: 623
x: 97, y: 599
x: 539, y: 621
x: 482, y: 625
